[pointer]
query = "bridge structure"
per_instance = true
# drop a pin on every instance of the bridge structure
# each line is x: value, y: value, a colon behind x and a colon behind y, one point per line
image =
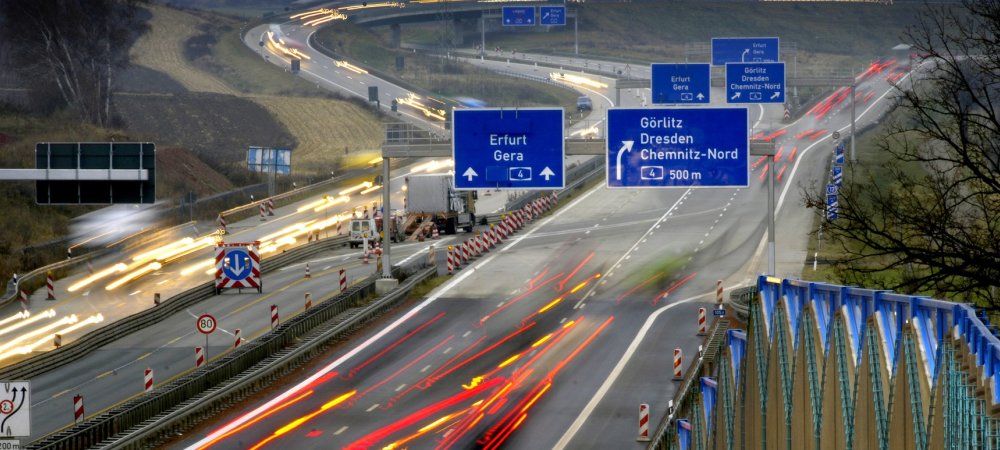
x: 823, y: 366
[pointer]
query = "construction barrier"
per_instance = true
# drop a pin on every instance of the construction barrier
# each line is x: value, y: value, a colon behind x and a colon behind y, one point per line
x: 343, y: 280
x: 147, y: 380
x: 274, y: 316
x: 199, y: 357
x: 643, y: 423
x: 702, y: 322
x: 77, y: 408
x: 309, y: 300
x: 307, y: 271
x: 677, y: 365
x: 238, y: 335
x: 50, y: 284
x: 718, y: 291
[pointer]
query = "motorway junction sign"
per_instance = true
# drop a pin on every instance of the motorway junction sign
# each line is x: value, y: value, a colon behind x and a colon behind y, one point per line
x: 518, y: 16
x: 552, y: 15
x: 508, y: 149
x: 677, y: 147
x: 681, y: 83
x: 755, y: 83
x: 730, y: 49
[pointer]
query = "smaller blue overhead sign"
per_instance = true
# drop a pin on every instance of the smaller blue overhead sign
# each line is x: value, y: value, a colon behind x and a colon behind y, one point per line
x: 681, y: 83
x: 552, y: 15
x: 729, y: 50
x: 755, y: 83
x: 518, y: 16
x: 514, y: 149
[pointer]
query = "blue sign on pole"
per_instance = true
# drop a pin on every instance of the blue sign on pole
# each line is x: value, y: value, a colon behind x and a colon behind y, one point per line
x: 831, y: 189
x: 518, y: 16
x: 838, y: 175
x: 730, y: 50
x: 237, y: 265
x: 677, y: 147
x: 755, y: 83
x: 267, y: 160
x: 505, y: 148
x: 838, y: 156
x: 552, y: 15
x: 681, y: 83
x: 831, y: 207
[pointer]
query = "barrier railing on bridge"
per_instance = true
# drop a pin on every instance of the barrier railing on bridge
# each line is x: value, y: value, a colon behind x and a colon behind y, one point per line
x: 829, y: 366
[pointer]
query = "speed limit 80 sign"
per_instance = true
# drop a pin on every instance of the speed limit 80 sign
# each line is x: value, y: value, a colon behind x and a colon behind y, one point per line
x: 206, y: 323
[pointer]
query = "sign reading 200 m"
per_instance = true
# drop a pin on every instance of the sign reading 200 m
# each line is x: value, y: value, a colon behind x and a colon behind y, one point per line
x: 677, y: 147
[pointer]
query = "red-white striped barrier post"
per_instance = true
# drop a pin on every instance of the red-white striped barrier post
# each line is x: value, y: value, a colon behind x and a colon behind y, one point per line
x: 451, y: 263
x: 238, y: 336
x: 199, y: 357
x: 222, y: 223
x: 718, y: 292
x: 434, y: 233
x: 307, y: 271
x: 50, y: 284
x: 309, y: 300
x: 677, y: 364
x: 702, y: 326
x: 343, y: 280
x: 24, y: 299
x: 339, y: 225
x: 77, y: 408
x: 274, y: 316
x: 270, y: 207
x: 147, y: 380
x: 643, y: 423
x: 263, y: 211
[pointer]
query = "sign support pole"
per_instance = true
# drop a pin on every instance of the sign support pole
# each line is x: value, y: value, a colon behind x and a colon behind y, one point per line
x: 576, y: 33
x: 767, y: 149
x: 854, y: 156
x: 386, y: 222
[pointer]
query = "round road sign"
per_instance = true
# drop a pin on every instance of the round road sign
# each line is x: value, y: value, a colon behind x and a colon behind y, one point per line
x: 836, y: 135
x: 6, y: 407
x: 206, y: 324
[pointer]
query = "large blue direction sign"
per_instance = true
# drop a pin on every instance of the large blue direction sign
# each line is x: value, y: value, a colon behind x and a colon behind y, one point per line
x: 237, y: 264
x: 518, y: 16
x: 552, y: 15
x: 677, y: 147
x: 755, y: 83
x: 760, y: 49
x: 681, y: 83
x: 505, y: 148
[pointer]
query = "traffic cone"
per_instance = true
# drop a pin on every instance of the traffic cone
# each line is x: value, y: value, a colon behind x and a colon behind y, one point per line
x: 307, y: 271
x: 434, y: 233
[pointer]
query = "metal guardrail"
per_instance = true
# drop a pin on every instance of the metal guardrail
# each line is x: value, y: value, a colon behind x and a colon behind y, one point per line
x: 192, y: 412
x: 682, y: 398
x: 98, y: 338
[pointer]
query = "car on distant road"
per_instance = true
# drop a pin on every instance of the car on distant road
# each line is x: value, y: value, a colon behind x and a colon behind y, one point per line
x: 584, y: 104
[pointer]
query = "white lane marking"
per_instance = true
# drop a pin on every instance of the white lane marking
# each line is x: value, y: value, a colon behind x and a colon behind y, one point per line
x: 164, y: 281
x: 136, y: 292
x: 636, y: 244
x: 467, y: 333
x: 341, y: 430
x: 372, y: 407
x: 599, y: 395
x: 447, y: 350
x: 426, y: 368
x: 401, y: 387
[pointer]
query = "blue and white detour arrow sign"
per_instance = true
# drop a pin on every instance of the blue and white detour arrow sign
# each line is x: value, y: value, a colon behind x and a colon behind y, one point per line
x: 677, y: 147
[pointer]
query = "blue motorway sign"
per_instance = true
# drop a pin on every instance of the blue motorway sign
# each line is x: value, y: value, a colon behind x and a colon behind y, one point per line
x: 831, y: 189
x: 518, y: 16
x: 832, y: 207
x: 267, y: 160
x: 838, y: 175
x: 552, y: 15
x: 719, y: 312
x: 755, y: 83
x: 677, y: 147
x: 504, y: 148
x: 729, y: 50
x: 237, y: 264
x: 681, y: 83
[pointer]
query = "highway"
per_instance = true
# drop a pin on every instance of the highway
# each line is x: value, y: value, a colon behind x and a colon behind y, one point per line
x: 638, y: 263
x: 561, y: 333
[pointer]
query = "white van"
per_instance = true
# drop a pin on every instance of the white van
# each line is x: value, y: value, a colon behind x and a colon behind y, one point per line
x: 360, y: 229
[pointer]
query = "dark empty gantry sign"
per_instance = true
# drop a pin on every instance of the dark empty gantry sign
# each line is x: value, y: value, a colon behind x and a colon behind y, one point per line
x: 78, y: 173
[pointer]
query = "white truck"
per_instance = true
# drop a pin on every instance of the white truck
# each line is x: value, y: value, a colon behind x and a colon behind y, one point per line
x: 432, y: 197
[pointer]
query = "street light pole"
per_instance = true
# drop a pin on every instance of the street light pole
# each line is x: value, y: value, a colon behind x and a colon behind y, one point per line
x: 854, y: 156
x: 767, y: 149
x: 576, y: 33
x: 386, y: 222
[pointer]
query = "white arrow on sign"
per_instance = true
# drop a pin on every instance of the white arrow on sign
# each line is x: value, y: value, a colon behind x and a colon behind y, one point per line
x: 700, y: 96
x: 237, y: 266
x: 736, y: 96
x: 775, y: 95
x: 469, y: 173
x: 626, y: 147
x: 547, y: 173
x: 744, y: 55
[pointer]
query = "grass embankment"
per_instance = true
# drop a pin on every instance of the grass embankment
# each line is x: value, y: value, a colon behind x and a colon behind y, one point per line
x: 204, y: 53
x: 443, y: 77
